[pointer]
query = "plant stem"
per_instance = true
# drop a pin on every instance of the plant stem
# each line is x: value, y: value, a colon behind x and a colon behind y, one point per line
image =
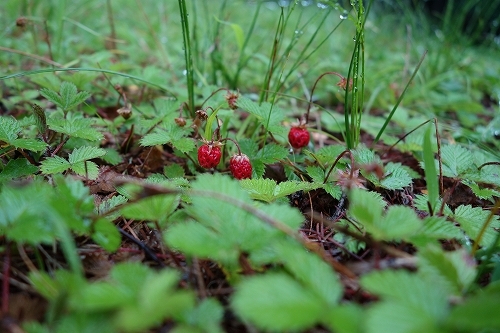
x: 187, y: 55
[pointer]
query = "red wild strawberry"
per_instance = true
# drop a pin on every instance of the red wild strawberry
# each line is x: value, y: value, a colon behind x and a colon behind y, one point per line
x: 298, y: 136
x: 240, y: 166
x: 209, y: 155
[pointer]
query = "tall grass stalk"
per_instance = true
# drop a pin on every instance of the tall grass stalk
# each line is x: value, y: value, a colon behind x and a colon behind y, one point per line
x: 353, y: 98
x: 187, y: 55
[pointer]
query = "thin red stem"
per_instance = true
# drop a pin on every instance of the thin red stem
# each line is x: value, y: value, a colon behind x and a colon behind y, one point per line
x: 314, y: 87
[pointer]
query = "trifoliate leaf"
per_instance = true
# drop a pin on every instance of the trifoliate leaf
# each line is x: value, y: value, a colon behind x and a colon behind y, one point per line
x: 75, y: 127
x: 85, y: 153
x: 54, y: 164
x: 277, y: 302
x: 69, y: 96
x: 472, y: 219
x: 456, y: 160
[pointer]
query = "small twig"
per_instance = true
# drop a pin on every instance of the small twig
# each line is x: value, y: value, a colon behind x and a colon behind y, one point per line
x: 5, y: 280
x: 143, y: 247
x: 32, y: 56
x: 199, y: 278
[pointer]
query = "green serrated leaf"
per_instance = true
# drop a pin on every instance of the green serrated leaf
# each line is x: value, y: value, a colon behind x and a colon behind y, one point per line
x: 456, y: 160
x: 112, y: 156
x: 276, y: 302
x: 185, y: 145
x: 53, y: 97
x: 106, y: 235
x: 87, y: 169
x: 206, y: 316
x: 312, y: 271
x: 291, y: 186
x: 78, y: 99
x: 395, y: 177
x: 29, y: 144
x: 268, y: 190
x: 174, y: 171
x: 9, y: 129
x: 17, y: 168
x: 346, y: 318
x: 481, y: 193
x: 328, y: 154
x: 54, y: 165
x: 434, y: 228
x: 428, y: 299
x: 271, y: 153
x: 158, y: 137
x: 85, y: 153
x: 154, y: 208
x: 399, y: 222
x: 363, y: 155
x: 455, y: 271
x: 109, y: 204
x: 471, y: 220
x: 194, y: 239
x: 479, y: 313
x: 366, y: 207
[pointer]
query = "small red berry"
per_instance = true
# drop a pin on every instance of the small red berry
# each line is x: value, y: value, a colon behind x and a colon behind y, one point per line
x: 298, y: 137
x: 209, y: 155
x: 240, y: 166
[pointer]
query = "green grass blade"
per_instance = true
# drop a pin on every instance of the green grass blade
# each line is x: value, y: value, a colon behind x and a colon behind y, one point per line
x: 388, y: 119
x: 431, y: 177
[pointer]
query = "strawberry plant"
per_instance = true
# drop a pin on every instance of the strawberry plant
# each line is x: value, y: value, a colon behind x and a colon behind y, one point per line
x: 164, y: 184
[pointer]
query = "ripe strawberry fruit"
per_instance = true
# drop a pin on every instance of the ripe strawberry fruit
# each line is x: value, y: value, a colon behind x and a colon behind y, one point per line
x: 209, y: 155
x: 240, y: 166
x: 298, y: 137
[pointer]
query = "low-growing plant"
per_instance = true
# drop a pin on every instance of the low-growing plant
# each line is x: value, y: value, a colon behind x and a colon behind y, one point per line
x: 132, y: 203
